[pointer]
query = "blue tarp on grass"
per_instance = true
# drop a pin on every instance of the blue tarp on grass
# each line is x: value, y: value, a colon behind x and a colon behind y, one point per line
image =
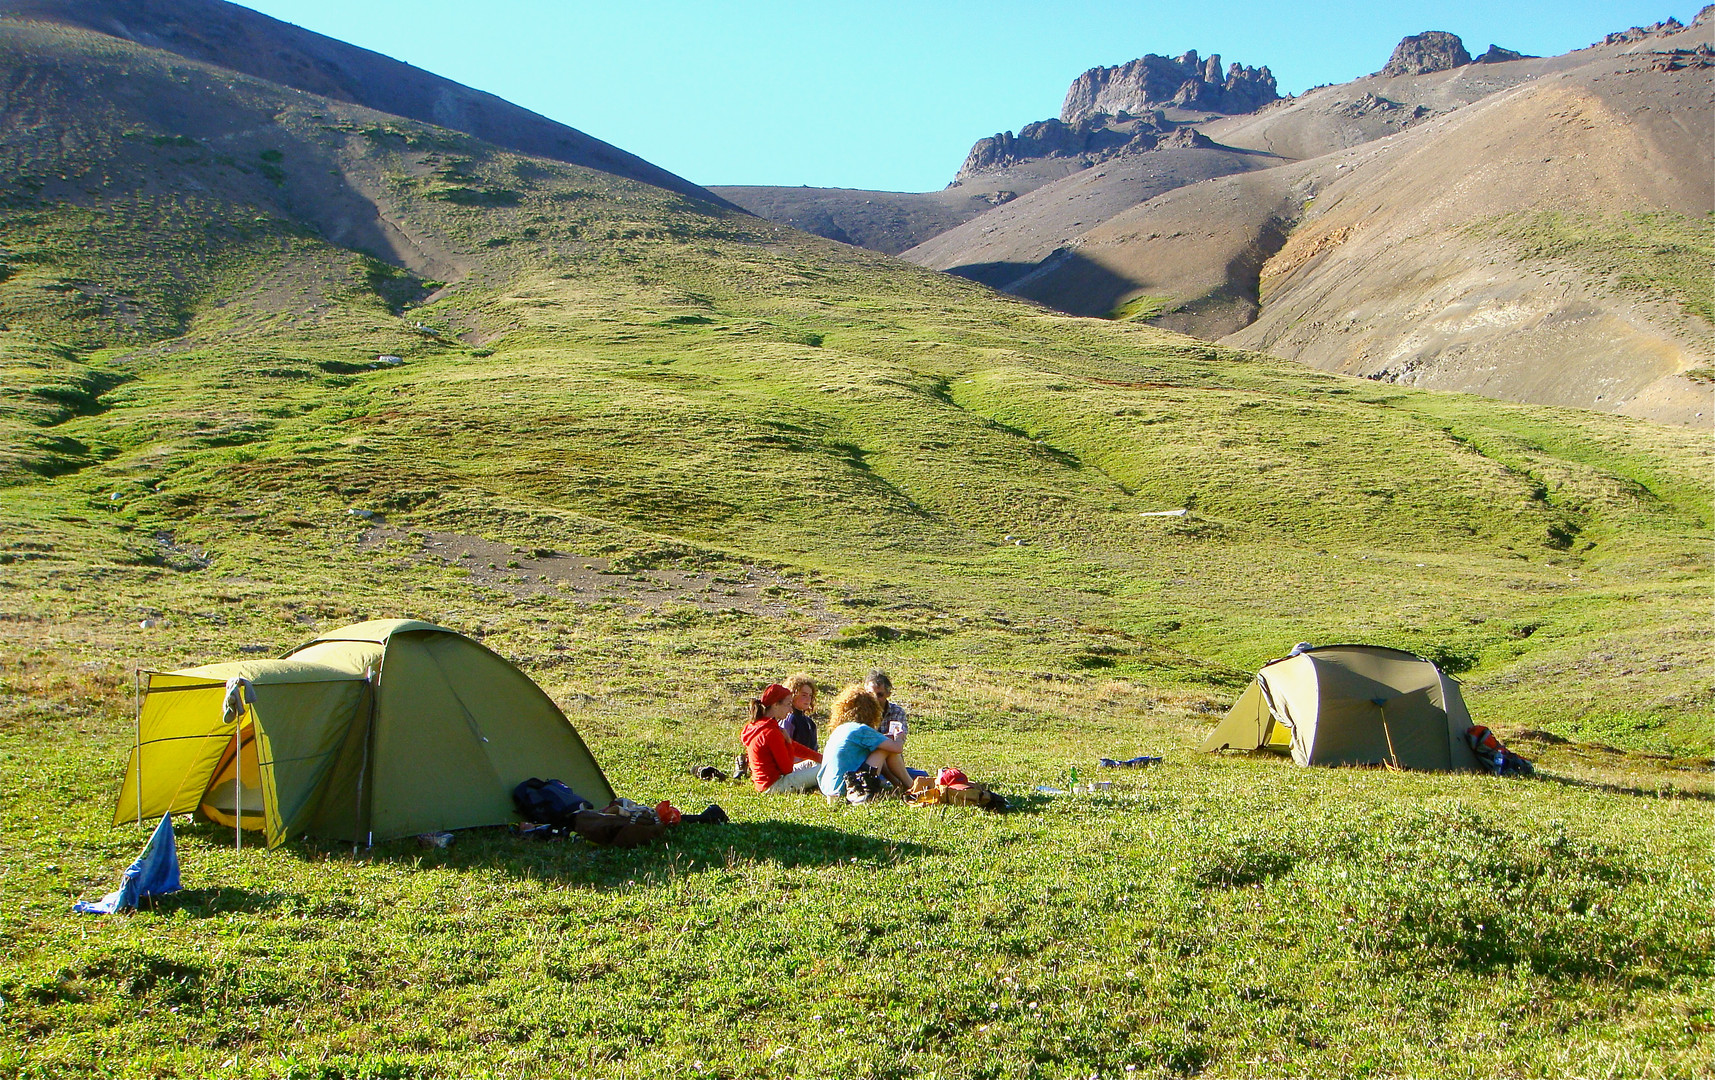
x: 155, y: 872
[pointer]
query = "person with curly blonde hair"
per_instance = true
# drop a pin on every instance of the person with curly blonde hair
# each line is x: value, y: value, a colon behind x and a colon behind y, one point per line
x: 857, y: 742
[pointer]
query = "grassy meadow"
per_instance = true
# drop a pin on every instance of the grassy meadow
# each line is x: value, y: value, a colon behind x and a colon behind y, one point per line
x: 778, y: 453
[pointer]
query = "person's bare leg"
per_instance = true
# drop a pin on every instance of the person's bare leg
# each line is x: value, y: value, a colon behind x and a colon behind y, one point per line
x: 892, y: 767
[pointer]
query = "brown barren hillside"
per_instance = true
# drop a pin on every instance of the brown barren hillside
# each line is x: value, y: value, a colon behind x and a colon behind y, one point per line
x: 1129, y: 122
x: 1187, y: 260
x: 893, y: 221
x: 1338, y: 117
x: 885, y: 221
x: 1534, y: 230
x: 1417, y: 264
x: 1008, y: 243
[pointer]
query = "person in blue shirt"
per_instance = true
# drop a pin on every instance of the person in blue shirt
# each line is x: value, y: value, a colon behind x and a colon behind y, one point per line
x: 855, y: 742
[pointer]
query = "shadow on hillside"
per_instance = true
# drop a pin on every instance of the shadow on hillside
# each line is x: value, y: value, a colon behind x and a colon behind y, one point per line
x: 1665, y: 791
x: 996, y: 275
x: 1065, y: 280
x: 684, y: 850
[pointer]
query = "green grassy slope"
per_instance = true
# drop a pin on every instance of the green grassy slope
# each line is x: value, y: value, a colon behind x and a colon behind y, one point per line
x: 929, y: 478
x: 1658, y: 255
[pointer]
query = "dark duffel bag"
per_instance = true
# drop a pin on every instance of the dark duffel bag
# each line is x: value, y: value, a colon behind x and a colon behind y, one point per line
x: 548, y: 802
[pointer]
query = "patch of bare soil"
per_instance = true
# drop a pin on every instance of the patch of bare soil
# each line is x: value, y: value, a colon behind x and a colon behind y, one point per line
x: 522, y: 572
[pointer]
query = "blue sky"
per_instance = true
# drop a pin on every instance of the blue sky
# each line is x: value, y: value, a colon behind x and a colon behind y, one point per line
x: 886, y: 95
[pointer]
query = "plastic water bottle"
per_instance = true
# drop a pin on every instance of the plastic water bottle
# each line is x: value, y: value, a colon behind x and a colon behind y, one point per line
x: 1074, y: 778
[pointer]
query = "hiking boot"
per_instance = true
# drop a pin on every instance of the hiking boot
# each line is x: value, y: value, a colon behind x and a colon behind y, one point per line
x: 741, y: 768
x: 873, y: 783
x: 857, y: 787
x: 707, y: 772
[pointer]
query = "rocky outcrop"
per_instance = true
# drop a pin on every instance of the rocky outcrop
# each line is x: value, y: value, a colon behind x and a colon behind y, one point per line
x: 1432, y: 50
x: 1437, y: 50
x: 1094, y: 138
x: 1667, y: 26
x: 1498, y: 55
x: 1370, y: 103
x: 1119, y: 110
x: 1156, y: 81
x: 1186, y: 138
x: 1701, y: 58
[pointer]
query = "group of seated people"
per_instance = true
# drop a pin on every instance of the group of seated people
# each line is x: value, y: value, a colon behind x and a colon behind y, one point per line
x: 867, y: 733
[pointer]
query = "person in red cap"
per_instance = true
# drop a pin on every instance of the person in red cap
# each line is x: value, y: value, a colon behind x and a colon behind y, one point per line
x: 777, y: 764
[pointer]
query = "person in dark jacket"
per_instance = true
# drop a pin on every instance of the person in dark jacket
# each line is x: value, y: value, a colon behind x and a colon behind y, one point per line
x: 800, y: 725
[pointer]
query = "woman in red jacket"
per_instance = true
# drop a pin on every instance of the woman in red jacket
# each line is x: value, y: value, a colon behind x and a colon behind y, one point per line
x: 776, y: 763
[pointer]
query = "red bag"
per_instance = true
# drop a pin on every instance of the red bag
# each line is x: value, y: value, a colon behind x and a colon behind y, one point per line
x: 1481, y: 738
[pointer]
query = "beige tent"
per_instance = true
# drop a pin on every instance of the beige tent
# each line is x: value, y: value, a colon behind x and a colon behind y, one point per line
x: 1351, y: 705
x: 373, y: 731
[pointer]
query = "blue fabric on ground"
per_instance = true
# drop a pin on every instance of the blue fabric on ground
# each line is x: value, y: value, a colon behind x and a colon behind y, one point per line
x: 155, y: 873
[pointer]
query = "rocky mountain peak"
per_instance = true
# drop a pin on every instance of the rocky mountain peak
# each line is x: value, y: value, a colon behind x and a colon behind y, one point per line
x: 1437, y: 50
x: 1432, y: 50
x: 1153, y: 82
x: 1091, y: 139
x: 1119, y: 110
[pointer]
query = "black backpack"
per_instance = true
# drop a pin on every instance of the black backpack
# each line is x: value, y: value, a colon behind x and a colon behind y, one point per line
x: 548, y: 802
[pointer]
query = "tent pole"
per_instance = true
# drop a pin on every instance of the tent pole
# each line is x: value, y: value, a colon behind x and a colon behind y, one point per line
x: 363, y: 762
x: 238, y: 779
x: 137, y: 715
x: 363, y: 767
x: 1387, y: 734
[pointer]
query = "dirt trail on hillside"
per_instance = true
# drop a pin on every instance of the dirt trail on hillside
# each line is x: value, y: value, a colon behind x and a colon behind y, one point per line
x: 525, y: 572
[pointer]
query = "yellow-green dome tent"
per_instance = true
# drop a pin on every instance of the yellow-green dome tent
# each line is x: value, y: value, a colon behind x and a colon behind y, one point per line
x: 374, y: 731
x: 1351, y: 705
